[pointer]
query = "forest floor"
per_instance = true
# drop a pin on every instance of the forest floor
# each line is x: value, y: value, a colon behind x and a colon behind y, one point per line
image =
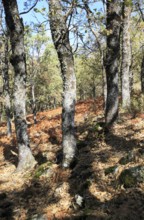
x: 52, y: 193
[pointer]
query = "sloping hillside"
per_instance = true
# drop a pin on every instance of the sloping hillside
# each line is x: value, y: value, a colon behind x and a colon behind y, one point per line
x: 92, y: 188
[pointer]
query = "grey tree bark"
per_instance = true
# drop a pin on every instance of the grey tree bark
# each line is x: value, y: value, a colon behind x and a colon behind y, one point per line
x: 126, y: 55
x: 34, y: 103
x: 142, y: 74
x: 6, y: 90
x: 16, y: 30
x: 60, y: 35
x: 142, y: 64
x: 5, y: 71
x: 112, y: 59
x: 32, y: 84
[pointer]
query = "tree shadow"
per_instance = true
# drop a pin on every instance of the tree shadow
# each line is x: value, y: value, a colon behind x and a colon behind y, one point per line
x: 34, y: 197
x: 126, y: 204
x: 82, y: 174
x: 53, y: 136
x: 120, y: 143
x: 40, y: 158
x: 10, y: 153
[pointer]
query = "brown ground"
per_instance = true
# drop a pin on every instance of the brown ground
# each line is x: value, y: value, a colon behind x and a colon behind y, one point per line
x: 49, y: 191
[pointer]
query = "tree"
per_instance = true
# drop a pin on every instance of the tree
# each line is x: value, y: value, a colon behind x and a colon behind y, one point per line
x: 16, y: 31
x: 6, y: 89
x: 126, y: 54
x: 60, y: 34
x: 34, y: 47
x: 142, y: 64
x: 112, y: 59
x: 92, y: 25
x: 142, y: 75
x: 43, y: 72
x: 89, y: 75
x: 4, y: 58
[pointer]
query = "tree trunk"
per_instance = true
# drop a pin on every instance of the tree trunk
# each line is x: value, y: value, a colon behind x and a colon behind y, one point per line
x: 16, y: 30
x: 33, y: 103
x: 112, y: 60
x: 4, y: 69
x: 131, y: 74
x: 142, y: 65
x: 60, y: 35
x: 126, y: 55
x: 104, y: 82
x: 142, y: 75
x: 33, y: 73
x: 5, y: 73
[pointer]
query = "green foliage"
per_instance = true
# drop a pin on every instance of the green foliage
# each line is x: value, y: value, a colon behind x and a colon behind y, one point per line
x: 137, y: 103
x: 128, y: 3
x: 137, y: 36
x: 89, y: 76
x: 43, y: 71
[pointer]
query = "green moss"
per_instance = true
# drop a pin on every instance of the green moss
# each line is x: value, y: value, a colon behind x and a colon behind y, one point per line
x: 87, y: 211
x: 41, y: 169
x: 97, y: 128
x: 128, y: 158
x: 127, y: 179
x: 110, y: 170
x: 130, y: 177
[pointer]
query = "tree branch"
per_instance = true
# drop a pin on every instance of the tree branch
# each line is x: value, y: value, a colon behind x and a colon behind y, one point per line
x: 25, y: 12
x: 70, y: 10
x: 89, y: 13
x: 140, y: 10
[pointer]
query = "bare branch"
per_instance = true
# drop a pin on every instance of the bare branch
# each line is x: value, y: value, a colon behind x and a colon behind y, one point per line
x: 141, y: 12
x: 70, y: 10
x: 25, y: 12
x: 89, y: 13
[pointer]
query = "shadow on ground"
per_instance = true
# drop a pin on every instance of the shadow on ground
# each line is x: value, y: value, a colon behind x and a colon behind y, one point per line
x: 125, y: 204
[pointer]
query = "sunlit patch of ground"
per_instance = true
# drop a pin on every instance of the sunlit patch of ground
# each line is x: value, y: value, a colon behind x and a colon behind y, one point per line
x: 49, y: 192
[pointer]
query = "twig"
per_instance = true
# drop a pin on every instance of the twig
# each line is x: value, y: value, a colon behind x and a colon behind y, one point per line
x: 25, y: 12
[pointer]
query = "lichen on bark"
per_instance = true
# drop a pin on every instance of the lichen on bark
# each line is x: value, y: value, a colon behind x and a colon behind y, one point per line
x: 16, y: 31
x: 60, y: 35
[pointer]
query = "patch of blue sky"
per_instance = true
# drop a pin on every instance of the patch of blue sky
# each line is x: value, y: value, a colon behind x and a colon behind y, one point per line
x: 32, y: 16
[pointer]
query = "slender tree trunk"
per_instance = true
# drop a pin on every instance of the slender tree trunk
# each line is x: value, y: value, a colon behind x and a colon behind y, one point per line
x: 142, y: 75
x: 16, y: 30
x: 131, y: 75
x: 60, y: 35
x: 33, y: 103
x: 112, y: 60
x: 126, y: 55
x: 104, y: 82
x: 90, y: 17
x: 142, y: 65
x: 5, y: 73
x: 4, y: 69
x: 34, y: 71
x: 34, y: 109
